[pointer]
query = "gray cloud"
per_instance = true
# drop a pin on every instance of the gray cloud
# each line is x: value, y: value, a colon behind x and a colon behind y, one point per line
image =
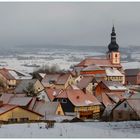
x: 68, y: 23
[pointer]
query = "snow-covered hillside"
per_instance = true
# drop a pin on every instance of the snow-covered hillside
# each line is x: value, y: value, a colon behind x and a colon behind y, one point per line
x: 73, y: 130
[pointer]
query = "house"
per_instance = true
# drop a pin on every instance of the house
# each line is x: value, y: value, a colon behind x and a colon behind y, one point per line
x: 48, y: 109
x: 43, y: 96
x: 29, y: 84
x: 16, y: 99
x: 108, y: 86
x: 86, y: 84
x: 66, y: 104
x: 132, y: 76
x: 52, y: 93
x: 127, y: 110
x: 10, y: 78
x: 112, y: 74
x: 39, y: 76
x: 85, y: 105
x: 59, y: 81
x: 13, y: 113
x: 92, y: 70
x: 20, y: 101
x: 110, y: 60
x: 7, y: 80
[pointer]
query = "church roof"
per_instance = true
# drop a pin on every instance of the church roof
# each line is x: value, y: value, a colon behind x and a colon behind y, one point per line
x: 103, y: 62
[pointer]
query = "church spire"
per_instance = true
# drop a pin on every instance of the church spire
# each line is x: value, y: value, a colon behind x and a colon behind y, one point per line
x: 113, y: 46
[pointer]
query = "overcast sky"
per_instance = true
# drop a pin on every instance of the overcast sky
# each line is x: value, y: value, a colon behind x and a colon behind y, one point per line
x: 69, y: 23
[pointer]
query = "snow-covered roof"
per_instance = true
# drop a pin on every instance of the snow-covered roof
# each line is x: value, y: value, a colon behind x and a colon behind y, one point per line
x: 112, y: 85
x: 19, y: 75
x: 113, y: 72
x: 117, y: 87
x: 20, y: 101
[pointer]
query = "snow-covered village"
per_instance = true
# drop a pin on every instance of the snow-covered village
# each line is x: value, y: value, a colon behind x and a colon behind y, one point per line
x: 70, y: 92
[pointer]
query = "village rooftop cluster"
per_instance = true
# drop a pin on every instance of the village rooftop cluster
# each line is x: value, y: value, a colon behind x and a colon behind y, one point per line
x: 97, y: 88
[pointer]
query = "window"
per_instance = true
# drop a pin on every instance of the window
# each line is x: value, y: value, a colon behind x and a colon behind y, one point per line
x: 24, y: 119
x: 64, y: 100
x: 116, y: 55
x: 125, y: 105
x: 12, y: 120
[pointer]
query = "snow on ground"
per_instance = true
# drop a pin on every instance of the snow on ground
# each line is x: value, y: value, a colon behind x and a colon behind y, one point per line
x: 73, y: 130
x: 128, y: 65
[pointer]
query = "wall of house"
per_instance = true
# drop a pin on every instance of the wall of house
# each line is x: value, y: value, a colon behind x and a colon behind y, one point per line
x: 6, y: 82
x: 19, y: 113
x: 131, y: 80
x: 90, y: 88
x: 115, y: 57
x: 59, y: 110
x: 66, y: 106
x: 93, y: 72
x: 124, y: 112
x: 38, y: 86
x: 3, y: 80
x: 100, y: 88
x: 88, y: 112
x: 115, y: 78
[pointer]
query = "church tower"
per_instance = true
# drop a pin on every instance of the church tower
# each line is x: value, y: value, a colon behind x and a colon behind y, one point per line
x: 113, y: 49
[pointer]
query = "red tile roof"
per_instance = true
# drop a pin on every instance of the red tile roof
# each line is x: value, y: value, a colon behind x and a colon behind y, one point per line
x: 5, y: 97
x: 20, y: 101
x: 52, y: 93
x: 97, y: 61
x: 79, y: 98
x: 6, y: 74
x: 83, y: 83
x: 5, y: 108
x: 62, y: 94
x: 59, y: 79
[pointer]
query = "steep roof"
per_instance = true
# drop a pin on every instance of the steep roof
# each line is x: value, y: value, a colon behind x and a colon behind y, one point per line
x: 24, y: 84
x: 83, y: 83
x: 46, y: 108
x: 59, y: 79
x: 20, y: 101
x: 6, y: 74
x: 97, y: 61
x: 131, y: 72
x: 18, y: 75
x: 52, y: 93
x: 112, y: 85
x: 79, y: 98
x: 135, y: 96
x: 113, y: 72
x: 62, y: 79
x: 134, y: 103
x: 92, y: 68
x: 49, y: 78
x: 5, y: 108
x: 5, y: 97
x: 62, y: 94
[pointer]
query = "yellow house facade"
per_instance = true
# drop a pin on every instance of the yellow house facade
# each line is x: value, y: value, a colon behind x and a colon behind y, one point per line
x: 7, y: 83
x: 16, y: 113
x: 88, y: 111
x: 38, y: 86
x: 59, y: 110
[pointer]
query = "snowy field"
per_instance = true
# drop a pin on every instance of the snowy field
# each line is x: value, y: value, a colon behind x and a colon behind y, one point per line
x: 73, y: 130
x: 29, y: 61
